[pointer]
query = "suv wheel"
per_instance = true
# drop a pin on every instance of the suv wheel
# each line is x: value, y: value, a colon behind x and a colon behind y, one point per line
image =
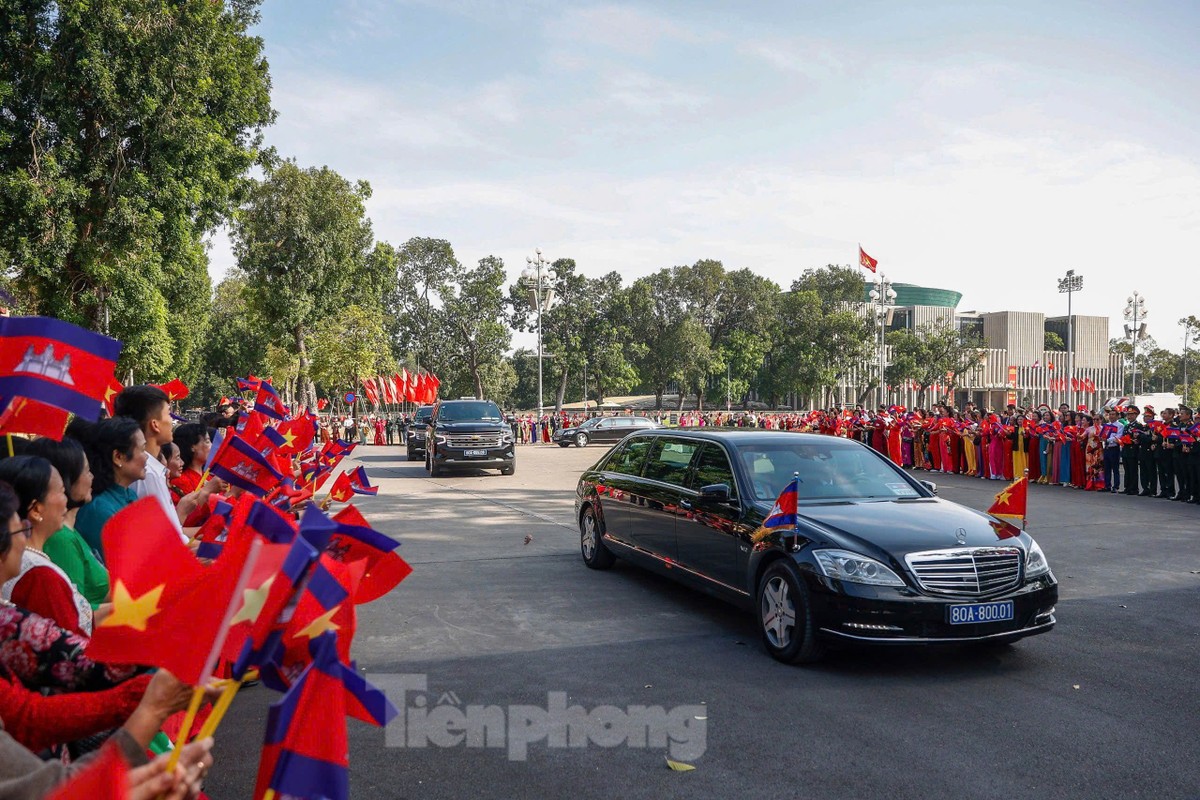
x: 432, y: 466
x: 785, y: 616
x: 509, y: 470
x: 591, y: 541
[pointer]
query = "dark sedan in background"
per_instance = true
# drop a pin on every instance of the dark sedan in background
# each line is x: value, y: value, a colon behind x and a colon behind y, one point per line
x: 602, y: 429
x: 874, y: 557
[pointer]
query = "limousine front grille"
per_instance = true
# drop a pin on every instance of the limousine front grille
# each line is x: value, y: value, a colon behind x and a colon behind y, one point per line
x: 967, y: 572
x: 469, y: 441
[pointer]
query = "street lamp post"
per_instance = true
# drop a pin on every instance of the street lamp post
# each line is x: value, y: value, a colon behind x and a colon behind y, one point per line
x: 882, y: 296
x: 1069, y: 284
x: 541, y: 282
x: 1135, y: 330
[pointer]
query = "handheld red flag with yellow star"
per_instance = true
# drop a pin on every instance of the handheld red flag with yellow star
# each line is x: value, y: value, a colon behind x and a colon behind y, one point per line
x: 1010, y: 502
x: 169, y: 611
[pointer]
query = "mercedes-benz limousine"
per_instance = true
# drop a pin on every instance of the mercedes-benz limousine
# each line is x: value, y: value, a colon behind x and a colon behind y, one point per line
x: 874, y: 555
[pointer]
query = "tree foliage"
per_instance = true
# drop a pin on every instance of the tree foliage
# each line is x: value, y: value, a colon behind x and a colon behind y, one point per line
x: 349, y: 344
x: 236, y: 344
x: 304, y: 242
x: 933, y: 354
x: 126, y: 131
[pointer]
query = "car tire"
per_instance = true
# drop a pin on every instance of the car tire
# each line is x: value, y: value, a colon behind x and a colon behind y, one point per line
x: 409, y: 457
x: 581, y: 440
x: 564, y: 444
x: 781, y: 594
x: 435, y: 471
x: 591, y: 541
x: 509, y: 470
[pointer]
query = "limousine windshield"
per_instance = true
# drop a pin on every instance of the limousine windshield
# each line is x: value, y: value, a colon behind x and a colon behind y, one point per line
x: 826, y: 472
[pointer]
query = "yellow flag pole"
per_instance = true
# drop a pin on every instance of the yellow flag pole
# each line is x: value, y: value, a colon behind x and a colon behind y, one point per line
x: 188, y: 720
x: 8, y: 438
x: 222, y: 705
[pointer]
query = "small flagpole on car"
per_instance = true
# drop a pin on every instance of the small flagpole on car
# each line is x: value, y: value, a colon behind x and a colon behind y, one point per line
x: 796, y: 521
x: 1026, y: 477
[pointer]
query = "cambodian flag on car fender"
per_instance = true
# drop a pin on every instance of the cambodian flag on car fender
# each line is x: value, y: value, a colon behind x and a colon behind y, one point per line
x: 239, y: 463
x: 783, y: 513
x: 56, y: 363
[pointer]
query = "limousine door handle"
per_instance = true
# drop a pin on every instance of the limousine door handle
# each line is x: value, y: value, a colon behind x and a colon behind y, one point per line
x: 685, y: 505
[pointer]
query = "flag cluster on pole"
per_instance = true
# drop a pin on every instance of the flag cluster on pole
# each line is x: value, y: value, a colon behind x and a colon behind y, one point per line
x: 416, y: 387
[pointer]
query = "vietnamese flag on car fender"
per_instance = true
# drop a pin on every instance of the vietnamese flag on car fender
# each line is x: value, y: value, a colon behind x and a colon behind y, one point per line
x: 169, y: 611
x: 56, y: 363
x: 1011, y: 500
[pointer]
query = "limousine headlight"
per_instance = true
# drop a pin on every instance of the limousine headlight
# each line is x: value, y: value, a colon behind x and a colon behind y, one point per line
x: 844, y: 565
x: 1035, y: 561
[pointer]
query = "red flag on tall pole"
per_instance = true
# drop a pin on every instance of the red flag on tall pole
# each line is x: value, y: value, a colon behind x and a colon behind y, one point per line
x: 865, y: 260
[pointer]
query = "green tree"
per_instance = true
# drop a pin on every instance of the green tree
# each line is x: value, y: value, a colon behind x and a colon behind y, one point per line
x: 816, y: 344
x: 476, y: 336
x: 126, y: 132
x: 1055, y: 343
x: 834, y: 284
x: 668, y: 338
x: 350, y: 344
x: 606, y: 339
x: 234, y: 345
x: 930, y: 354
x: 426, y: 269
x: 303, y: 241
x: 563, y: 322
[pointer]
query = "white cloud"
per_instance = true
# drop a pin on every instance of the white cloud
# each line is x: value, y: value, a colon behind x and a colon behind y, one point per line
x: 621, y: 28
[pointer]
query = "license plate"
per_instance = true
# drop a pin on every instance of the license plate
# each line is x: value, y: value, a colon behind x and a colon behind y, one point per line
x: 474, y: 453
x: 981, y: 612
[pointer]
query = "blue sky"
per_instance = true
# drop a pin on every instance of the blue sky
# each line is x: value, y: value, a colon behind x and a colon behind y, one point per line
x: 981, y: 147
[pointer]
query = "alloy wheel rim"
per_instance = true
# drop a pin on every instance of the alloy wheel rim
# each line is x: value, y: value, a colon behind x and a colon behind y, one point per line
x: 581, y: 440
x: 778, y: 612
x: 589, y: 536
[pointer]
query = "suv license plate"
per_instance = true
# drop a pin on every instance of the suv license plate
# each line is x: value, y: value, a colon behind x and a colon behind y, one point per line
x: 474, y: 453
x: 981, y: 612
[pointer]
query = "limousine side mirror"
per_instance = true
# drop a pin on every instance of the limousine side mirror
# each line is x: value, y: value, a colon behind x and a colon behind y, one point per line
x: 930, y: 485
x: 715, y: 493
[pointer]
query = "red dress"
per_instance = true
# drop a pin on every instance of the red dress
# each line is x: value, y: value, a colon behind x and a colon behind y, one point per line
x: 38, y: 721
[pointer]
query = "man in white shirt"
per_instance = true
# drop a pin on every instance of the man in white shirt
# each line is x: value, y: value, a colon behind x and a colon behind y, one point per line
x: 150, y: 407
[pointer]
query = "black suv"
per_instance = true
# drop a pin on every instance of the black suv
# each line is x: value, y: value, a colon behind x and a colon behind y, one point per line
x: 469, y: 434
x: 415, y: 444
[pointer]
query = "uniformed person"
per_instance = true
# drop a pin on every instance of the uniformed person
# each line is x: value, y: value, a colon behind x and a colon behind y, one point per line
x: 1129, y: 452
x: 1164, y: 456
x: 1147, y: 468
x: 1182, y: 456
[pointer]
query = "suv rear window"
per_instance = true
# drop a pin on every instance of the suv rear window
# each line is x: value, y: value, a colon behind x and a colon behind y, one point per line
x: 483, y: 410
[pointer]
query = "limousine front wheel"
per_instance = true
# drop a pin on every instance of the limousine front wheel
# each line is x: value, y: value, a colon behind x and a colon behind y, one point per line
x: 784, y: 616
x: 591, y: 541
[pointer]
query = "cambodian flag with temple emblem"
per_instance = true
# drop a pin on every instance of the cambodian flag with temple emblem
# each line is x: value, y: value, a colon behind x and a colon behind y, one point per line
x: 56, y: 363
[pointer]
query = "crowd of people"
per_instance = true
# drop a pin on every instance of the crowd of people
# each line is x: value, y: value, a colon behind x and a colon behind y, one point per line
x: 1120, y: 448
x: 57, y: 705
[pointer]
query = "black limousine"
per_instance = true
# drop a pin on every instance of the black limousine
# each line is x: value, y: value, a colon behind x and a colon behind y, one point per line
x: 875, y: 556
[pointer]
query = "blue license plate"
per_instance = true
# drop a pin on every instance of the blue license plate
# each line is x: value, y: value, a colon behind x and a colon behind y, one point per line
x: 981, y: 612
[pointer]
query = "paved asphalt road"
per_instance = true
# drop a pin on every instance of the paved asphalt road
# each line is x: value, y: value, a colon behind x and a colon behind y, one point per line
x: 1106, y: 705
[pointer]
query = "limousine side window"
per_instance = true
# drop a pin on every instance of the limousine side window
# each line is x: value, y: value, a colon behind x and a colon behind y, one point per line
x: 713, y: 467
x: 669, y: 460
x: 630, y: 457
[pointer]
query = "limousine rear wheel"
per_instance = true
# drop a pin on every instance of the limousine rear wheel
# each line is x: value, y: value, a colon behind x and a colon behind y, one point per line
x: 785, y: 617
x: 591, y: 541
